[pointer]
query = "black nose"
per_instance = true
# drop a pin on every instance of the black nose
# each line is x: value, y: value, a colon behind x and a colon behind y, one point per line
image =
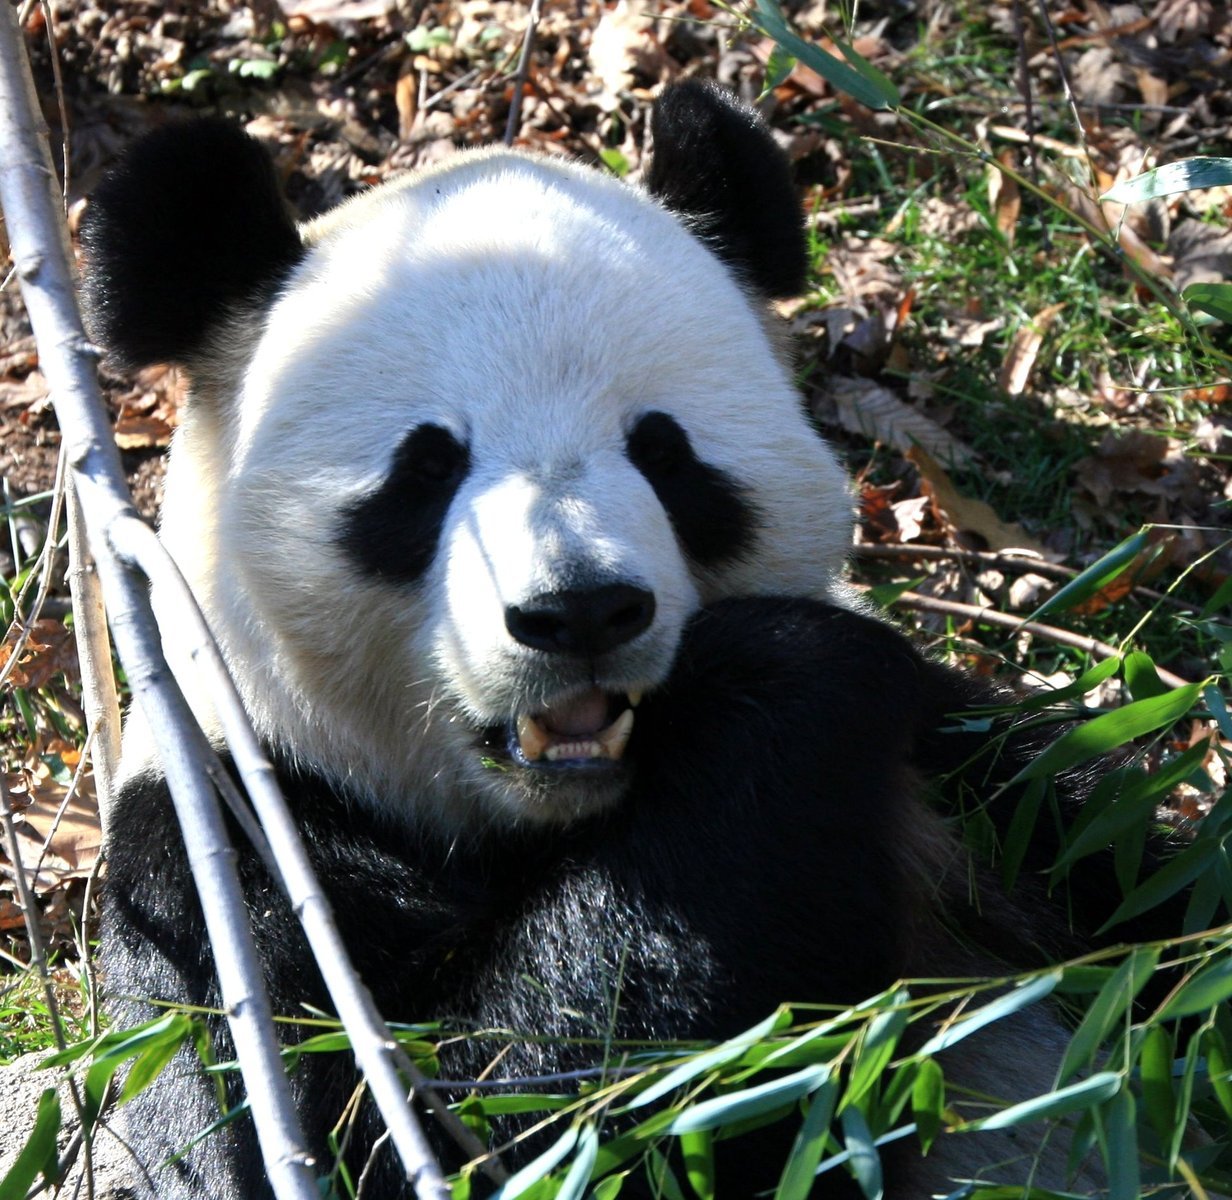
x: 582, y: 622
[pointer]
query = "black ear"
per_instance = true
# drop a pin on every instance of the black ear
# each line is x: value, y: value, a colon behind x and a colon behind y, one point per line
x: 716, y: 164
x: 188, y: 225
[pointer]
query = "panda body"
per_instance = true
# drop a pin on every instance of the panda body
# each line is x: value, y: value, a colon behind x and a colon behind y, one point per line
x: 499, y: 499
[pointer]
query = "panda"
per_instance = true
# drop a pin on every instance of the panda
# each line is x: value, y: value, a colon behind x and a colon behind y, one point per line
x: 496, y: 492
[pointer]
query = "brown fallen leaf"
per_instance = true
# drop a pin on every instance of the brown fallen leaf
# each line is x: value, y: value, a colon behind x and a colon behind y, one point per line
x: 1004, y: 195
x: 142, y: 433
x: 1024, y: 350
x: 49, y: 651
x: 867, y: 408
x: 965, y: 515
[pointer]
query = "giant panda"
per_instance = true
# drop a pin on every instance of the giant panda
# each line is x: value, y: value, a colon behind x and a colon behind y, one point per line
x: 498, y: 496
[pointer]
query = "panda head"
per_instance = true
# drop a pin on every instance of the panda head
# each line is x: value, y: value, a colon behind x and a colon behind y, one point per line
x: 465, y: 455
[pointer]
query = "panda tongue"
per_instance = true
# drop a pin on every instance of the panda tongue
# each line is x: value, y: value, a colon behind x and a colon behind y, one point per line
x: 579, y: 715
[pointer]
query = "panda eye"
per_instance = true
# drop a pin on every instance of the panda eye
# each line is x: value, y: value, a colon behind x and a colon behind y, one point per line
x: 434, y: 456
x: 658, y: 446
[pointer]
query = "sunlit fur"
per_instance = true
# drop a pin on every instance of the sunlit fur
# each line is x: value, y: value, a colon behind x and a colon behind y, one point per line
x: 459, y: 297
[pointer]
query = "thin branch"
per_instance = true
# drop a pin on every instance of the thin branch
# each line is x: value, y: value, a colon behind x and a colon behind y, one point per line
x: 519, y: 83
x: 40, y: 250
x: 1015, y: 562
x: 98, y: 686
x: 1051, y: 633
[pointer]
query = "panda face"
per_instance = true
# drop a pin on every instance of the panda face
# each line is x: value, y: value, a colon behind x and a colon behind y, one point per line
x: 465, y: 455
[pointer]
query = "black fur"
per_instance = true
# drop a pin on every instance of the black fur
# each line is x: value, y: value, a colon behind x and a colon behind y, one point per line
x: 189, y: 227
x: 765, y: 855
x: 393, y: 532
x: 713, y: 516
x: 717, y: 165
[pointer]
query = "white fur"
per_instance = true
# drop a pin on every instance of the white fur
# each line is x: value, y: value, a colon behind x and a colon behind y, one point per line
x: 536, y: 309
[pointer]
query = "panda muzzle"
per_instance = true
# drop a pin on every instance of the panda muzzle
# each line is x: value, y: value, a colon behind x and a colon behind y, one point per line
x: 579, y: 729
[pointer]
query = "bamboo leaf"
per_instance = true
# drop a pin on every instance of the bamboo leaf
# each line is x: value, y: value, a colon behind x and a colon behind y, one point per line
x: 38, y: 1155
x: 1096, y: 577
x: 1177, y: 873
x: 537, y: 1168
x: 801, y: 1167
x: 708, y: 1061
x: 578, y: 1177
x: 1188, y: 175
x: 1081, y: 1095
x: 1109, y: 1007
x: 865, y: 1161
x: 1121, y: 1127
x: 928, y: 1102
x: 769, y: 18
x: 1015, y: 999
x: 1210, y: 986
x: 1110, y: 730
x: 697, y: 1149
x: 1155, y: 1071
x: 751, y: 1102
x: 1213, y: 298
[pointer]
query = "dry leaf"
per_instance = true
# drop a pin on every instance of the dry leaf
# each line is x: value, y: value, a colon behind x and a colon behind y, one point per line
x: 965, y: 515
x: 406, y: 100
x: 621, y: 36
x: 1004, y: 195
x: 1024, y: 349
x: 142, y: 433
x: 49, y: 651
x: 868, y: 408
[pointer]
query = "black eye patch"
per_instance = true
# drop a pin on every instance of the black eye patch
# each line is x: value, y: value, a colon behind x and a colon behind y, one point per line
x: 710, y: 512
x: 393, y: 532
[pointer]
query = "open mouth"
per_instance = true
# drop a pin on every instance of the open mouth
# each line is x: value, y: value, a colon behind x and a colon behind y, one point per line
x: 592, y: 728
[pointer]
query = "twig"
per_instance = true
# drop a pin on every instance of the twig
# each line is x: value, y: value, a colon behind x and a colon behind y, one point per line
x: 990, y: 616
x: 1019, y: 564
x: 519, y: 83
x: 98, y: 687
x: 529, y: 1081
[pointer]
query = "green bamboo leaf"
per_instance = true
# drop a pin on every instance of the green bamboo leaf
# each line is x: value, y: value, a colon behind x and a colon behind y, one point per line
x: 574, y: 1183
x: 877, y: 1047
x: 147, y: 1067
x: 1081, y: 1095
x: 664, y: 1183
x: 1021, y: 828
x: 1013, y: 1000
x: 1210, y: 986
x: 1174, y: 875
x: 1109, y: 1007
x: 1219, y: 1069
x: 1096, y: 577
x: 1188, y: 175
x: 769, y: 18
x: 801, y: 1167
x: 163, y: 1037
x: 1155, y: 1071
x: 1110, y: 730
x: 1121, y: 1129
x: 865, y: 1161
x: 1088, y: 681
x: 697, y: 1150
x: 606, y: 1189
x: 709, y: 1060
x: 1141, y: 676
x: 1184, y: 1097
x: 1213, y: 298
x: 928, y: 1102
x: 1219, y: 708
x: 750, y: 1102
x: 38, y: 1155
x: 537, y: 1168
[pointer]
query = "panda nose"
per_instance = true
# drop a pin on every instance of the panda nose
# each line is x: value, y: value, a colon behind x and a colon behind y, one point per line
x: 586, y: 622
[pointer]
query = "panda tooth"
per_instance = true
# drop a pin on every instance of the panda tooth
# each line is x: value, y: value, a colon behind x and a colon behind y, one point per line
x: 532, y: 738
x: 615, y: 737
x: 635, y: 697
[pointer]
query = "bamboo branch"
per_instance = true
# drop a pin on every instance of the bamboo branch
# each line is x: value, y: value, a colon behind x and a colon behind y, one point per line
x: 40, y: 251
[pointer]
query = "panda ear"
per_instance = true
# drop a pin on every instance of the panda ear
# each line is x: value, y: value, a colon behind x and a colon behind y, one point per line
x: 716, y: 165
x: 190, y: 224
